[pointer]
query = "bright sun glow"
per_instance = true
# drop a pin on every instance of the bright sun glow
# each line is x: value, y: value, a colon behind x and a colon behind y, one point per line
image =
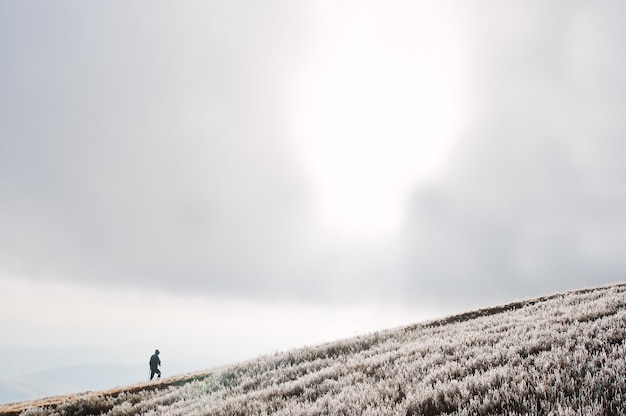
x: 377, y: 124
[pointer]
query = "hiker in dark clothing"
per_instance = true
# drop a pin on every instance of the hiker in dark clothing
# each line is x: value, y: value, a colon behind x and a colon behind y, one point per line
x: 155, y: 362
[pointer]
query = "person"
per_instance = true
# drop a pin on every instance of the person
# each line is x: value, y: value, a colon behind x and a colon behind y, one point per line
x: 155, y: 362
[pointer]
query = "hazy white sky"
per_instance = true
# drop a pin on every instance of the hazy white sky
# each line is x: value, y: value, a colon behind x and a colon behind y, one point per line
x: 248, y: 176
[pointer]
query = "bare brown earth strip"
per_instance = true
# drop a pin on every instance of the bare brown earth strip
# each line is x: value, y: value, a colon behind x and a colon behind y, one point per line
x: 14, y: 409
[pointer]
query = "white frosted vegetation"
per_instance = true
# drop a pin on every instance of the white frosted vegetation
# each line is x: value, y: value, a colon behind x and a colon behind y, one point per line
x: 563, y: 354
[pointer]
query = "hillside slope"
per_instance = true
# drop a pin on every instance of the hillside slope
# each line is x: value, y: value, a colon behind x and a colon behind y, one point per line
x: 561, y: 354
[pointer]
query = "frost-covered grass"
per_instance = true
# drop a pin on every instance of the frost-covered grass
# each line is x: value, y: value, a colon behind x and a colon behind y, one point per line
x: 563, y: 354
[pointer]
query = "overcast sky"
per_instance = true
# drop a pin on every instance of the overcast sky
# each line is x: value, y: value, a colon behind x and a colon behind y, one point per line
x: 247, y: 176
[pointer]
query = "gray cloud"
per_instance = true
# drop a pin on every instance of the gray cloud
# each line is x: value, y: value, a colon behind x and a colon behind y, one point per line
x: 150, y: 146
x: 533, y: 200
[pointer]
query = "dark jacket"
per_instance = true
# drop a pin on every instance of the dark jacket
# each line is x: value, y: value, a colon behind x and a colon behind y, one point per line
x: 155, y: 361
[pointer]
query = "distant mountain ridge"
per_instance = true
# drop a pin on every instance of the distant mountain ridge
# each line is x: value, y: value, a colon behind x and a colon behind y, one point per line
x: 558, y: 354
x: 68, y: 380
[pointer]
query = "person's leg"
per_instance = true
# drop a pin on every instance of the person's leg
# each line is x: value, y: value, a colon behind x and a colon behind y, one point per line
x: 159, y: 373
x: 152, y: 371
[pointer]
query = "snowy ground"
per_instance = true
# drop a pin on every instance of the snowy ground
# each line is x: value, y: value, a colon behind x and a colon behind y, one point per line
x: 562, y: 354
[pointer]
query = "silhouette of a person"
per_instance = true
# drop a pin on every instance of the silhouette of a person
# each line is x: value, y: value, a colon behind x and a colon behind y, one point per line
x: 155, y: 362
